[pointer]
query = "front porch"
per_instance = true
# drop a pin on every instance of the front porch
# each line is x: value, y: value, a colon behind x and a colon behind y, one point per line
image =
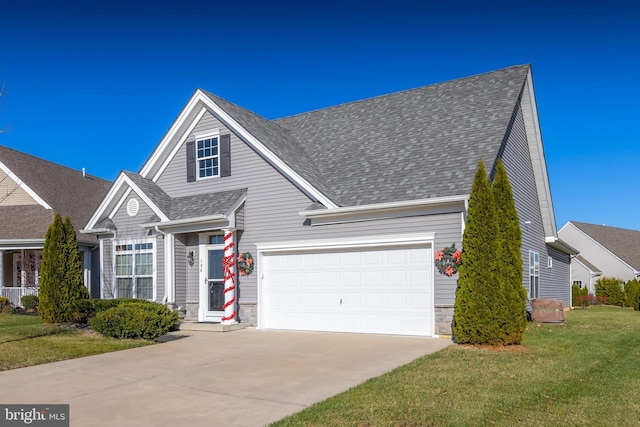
x: 19, y: 273
x: 15, y: 293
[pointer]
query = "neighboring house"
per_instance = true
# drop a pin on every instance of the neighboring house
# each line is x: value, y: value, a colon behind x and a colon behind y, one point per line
x: 342, y: 208
x: 584, y: 274
x: 611, y: 251
x: 32, y: 190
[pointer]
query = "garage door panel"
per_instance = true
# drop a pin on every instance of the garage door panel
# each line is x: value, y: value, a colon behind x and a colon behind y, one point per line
x: 379, y: 290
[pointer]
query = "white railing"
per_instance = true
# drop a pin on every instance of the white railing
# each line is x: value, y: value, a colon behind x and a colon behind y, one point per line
x: 14, y: 294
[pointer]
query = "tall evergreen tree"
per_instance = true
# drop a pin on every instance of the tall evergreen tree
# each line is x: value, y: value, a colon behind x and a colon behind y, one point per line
x: 473, y: 321
x: 511, y: 310
x: 61, y: 272
x: 73, y: 280
x: 50, y: 292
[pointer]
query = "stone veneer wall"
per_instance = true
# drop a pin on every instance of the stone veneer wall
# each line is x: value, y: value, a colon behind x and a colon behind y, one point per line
x: 443, y: 319
x: 248, y: 313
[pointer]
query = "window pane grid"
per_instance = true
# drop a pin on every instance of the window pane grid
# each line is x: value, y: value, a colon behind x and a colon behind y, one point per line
x: 208, y: 157
x: 134, y: 270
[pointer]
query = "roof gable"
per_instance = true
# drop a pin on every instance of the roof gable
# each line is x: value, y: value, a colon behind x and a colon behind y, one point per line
x: 623, y: 243
x: 416, y: 145
x: 54, y: 187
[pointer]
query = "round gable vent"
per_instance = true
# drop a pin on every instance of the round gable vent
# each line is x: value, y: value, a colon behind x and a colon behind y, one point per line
x: 133, y: 207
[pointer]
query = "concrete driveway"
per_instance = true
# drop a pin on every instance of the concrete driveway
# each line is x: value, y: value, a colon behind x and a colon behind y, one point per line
x: 243, y: 378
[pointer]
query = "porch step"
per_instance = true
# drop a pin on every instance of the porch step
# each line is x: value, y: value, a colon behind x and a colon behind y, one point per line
x: 206, y: 327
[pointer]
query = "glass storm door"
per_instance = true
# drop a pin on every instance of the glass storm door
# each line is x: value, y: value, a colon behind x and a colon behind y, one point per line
x: 214, y: 285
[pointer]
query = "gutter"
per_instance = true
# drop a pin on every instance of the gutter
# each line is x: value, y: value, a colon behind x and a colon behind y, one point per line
x: 197, y: 220
x: 560, y: 245
x: 382, y: 207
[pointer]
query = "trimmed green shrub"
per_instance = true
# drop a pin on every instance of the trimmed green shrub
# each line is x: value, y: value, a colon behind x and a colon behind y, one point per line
x: 611, y: 289
x: 85, y: 309
x: 29, y: 302
x: 5, y: 305
x: 510, y: 308
x: 632, y: 294
x: 477, y: 292
x: 134, y: 319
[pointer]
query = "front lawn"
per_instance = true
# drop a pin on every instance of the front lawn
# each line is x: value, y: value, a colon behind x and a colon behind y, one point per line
x: 25, y: 341
x: 582, y: 372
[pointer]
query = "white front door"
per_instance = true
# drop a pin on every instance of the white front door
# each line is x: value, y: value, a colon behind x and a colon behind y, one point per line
x: 212, y: 284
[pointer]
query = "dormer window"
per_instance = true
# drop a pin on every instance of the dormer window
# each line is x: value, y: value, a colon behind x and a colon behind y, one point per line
x: 208, y: 157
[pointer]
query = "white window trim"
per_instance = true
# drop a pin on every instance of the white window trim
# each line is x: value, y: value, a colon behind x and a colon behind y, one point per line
x: 534, y: 273
x: 154, y: 257
x: 201, y: 137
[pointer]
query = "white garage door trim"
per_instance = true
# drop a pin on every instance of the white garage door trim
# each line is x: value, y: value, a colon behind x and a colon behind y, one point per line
x: 365, y: 243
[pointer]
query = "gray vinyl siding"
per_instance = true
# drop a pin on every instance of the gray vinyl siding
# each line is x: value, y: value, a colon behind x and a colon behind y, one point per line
x: 128, y: 228
x: 180, y: 256
x: 554, y: 282
x: 271, y: 212
x: 558, y: 273
x: 192, y: 272
x: 107, y: 269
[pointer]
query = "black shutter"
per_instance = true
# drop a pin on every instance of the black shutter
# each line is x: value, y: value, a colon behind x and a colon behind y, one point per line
x: 225, y: 155
x: 191, y: 161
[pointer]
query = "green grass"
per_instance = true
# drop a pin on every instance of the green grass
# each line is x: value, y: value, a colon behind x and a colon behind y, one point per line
x: 25, y: 341
x: 584, y: 372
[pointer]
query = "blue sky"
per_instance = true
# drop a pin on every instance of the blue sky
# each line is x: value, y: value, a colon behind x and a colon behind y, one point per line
x: 96, y: 84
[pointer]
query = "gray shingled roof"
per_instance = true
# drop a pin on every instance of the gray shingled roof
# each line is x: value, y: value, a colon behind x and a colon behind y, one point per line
x: 623, y: 243
x: 588, y: 264
x: 204, y: 204
x: 152, y: 190
x: 414, y: 144
x: 66, y: 190
x: 189, y: 206
x: 277, y: 139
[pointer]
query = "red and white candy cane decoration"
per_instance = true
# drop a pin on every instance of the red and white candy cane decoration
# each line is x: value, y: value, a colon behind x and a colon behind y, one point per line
x: 228, y: 266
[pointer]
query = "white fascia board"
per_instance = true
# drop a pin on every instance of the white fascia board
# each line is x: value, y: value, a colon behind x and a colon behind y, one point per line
x: 171, y: 133
x: 186, y: 221
x: 145, y: 198
x: 591, y: 272
x: 275, y: 160
x: 12, y: 244
x: 561, y: 245
x: 97, y: 231
x: 118, y: 205
x: 172, y: 137
x: 349, y: 242
x: 106, y: 201
x: 381, y: 207
x: 178, y: 142
x: 236, y: 205
x: 24, y: 186
x: 536, y: 149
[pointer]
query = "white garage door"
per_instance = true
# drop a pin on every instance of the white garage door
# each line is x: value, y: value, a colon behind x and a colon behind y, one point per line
x: 377, y: 290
